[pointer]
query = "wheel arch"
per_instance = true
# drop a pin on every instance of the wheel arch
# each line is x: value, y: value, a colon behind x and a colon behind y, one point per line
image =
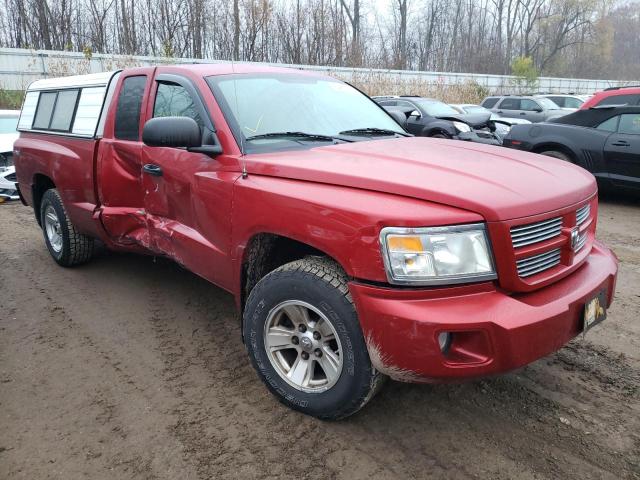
x: 265, y: 252
x: 559, y: 147
x: 40, y: 184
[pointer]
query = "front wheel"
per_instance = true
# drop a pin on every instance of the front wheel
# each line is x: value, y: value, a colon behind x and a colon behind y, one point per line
x: 65, y: 244
x: 304, y: 339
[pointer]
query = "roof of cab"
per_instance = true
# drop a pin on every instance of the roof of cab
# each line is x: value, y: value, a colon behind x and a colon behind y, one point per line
x: 204, y: 69
x: 229, y: 68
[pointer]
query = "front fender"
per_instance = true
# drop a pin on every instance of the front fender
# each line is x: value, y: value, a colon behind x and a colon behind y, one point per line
x: 438, y: 125
x: 342, y: 222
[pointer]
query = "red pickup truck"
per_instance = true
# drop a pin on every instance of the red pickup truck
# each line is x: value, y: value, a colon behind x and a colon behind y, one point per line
x: 355, y: 251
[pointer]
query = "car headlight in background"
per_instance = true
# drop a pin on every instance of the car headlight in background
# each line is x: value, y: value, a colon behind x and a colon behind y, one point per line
x: 462, y: 127
x: 437, y: 255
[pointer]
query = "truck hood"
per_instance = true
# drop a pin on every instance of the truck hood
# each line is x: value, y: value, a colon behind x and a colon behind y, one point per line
x: 495, y: 182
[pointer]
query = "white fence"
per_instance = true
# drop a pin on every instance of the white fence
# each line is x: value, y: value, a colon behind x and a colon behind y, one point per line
x: 19, y: 67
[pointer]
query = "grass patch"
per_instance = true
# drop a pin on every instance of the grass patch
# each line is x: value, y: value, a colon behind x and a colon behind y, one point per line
x: 11, y: 99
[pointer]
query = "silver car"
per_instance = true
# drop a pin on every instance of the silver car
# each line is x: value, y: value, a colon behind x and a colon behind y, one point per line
x: 534, y: 109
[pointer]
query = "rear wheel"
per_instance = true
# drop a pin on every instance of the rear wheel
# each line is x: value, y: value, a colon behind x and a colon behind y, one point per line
x: 556, y: 154
x: 65, y: 244
x: 304, y: 339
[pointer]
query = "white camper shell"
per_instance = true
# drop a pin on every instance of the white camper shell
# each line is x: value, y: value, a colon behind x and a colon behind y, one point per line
x: 71, y: 106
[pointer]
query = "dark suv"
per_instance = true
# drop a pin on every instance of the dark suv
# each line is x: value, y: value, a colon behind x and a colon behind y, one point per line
x: 534, y: 109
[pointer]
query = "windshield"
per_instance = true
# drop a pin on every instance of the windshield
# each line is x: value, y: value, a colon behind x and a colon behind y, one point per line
x: 8, y: 124
x: 547, y: 104
x: 436, y: 108
x: 263, y: 104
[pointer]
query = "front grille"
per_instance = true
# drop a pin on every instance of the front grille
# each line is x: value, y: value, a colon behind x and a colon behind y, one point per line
x: 582, y: 214
x: 535, y: 232
x: 537, y: 263
x: 543, y: 257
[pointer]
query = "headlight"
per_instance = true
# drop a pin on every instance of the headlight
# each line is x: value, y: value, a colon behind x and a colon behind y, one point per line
x: 462, y: 127
x: 437, y: 255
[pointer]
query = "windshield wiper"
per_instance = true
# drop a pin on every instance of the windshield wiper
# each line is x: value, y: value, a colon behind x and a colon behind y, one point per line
x: 312, y: 137
x: 372, y: 131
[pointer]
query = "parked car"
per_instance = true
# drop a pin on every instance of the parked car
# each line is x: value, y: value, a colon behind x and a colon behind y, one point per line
x: 567, y: 100
x: 427, y: 117
x: 8, y: 135
x: 614, y: 96
x: 353, y: 251
x: 605, y: 141
x: 501, y: 125
x: 534, y: 109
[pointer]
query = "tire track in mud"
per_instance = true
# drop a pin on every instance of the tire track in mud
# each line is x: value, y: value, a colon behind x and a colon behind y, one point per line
x: 212, y: 411
x: 228, y: 425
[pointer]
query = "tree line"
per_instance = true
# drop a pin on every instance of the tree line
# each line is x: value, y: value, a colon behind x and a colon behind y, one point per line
x: 575, y: 38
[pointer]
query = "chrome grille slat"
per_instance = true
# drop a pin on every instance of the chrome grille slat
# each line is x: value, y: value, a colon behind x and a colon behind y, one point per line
x: 536, y: 232
x: 538, y: 263
x: 535, y: 225
x: 537, y: 258
x: 545, y: 229
x: 582, y: 214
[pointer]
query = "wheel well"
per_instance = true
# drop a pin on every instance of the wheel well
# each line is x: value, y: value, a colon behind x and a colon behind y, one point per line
x: 557, y: 147
x: 41, y: 183
x: 264, y: 253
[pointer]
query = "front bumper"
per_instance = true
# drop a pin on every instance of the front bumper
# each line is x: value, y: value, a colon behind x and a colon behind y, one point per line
x: 487, y: 139
x: 493, y: 332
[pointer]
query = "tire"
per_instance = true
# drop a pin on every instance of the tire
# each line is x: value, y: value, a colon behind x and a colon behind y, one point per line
x: 65, y: 244
x: 320, y: 286
x: 556, y: 154
x: 440, y: 135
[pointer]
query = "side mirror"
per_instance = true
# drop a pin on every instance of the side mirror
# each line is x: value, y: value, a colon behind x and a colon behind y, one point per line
x: 415, y: 113
x: 537, y: 109
x: 180, y: 132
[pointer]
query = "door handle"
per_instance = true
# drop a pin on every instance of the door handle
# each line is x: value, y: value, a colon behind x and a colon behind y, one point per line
x: 523, y: 113
x: 500, y: 111
x: 152, y: 169
x: 621, y: 143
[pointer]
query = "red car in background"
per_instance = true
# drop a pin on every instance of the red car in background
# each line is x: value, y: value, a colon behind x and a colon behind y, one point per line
x: 614, y: 96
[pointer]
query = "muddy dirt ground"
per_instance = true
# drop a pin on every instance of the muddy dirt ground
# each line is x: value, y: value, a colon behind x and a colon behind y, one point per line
x: 131, y: 367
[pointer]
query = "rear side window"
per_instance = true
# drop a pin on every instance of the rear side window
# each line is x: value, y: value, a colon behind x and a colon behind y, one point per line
x: 44, y: 110
x: 529, y: 105
x: 629, y: 124
x: 571, y: 102
x: 127, y: 123
x: 510, y: 104
x: 490, y: 102
x: 174, y: 101
x: 620, y: 100
x: 55, y: 110
x: 63, y: 112
x: 559, y: 101
x: 610, y: 125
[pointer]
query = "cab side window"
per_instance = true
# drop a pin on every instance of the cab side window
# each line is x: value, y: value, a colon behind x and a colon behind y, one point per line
x: 629, y: 124
x: 127, y: 124
x: 175, y: 101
